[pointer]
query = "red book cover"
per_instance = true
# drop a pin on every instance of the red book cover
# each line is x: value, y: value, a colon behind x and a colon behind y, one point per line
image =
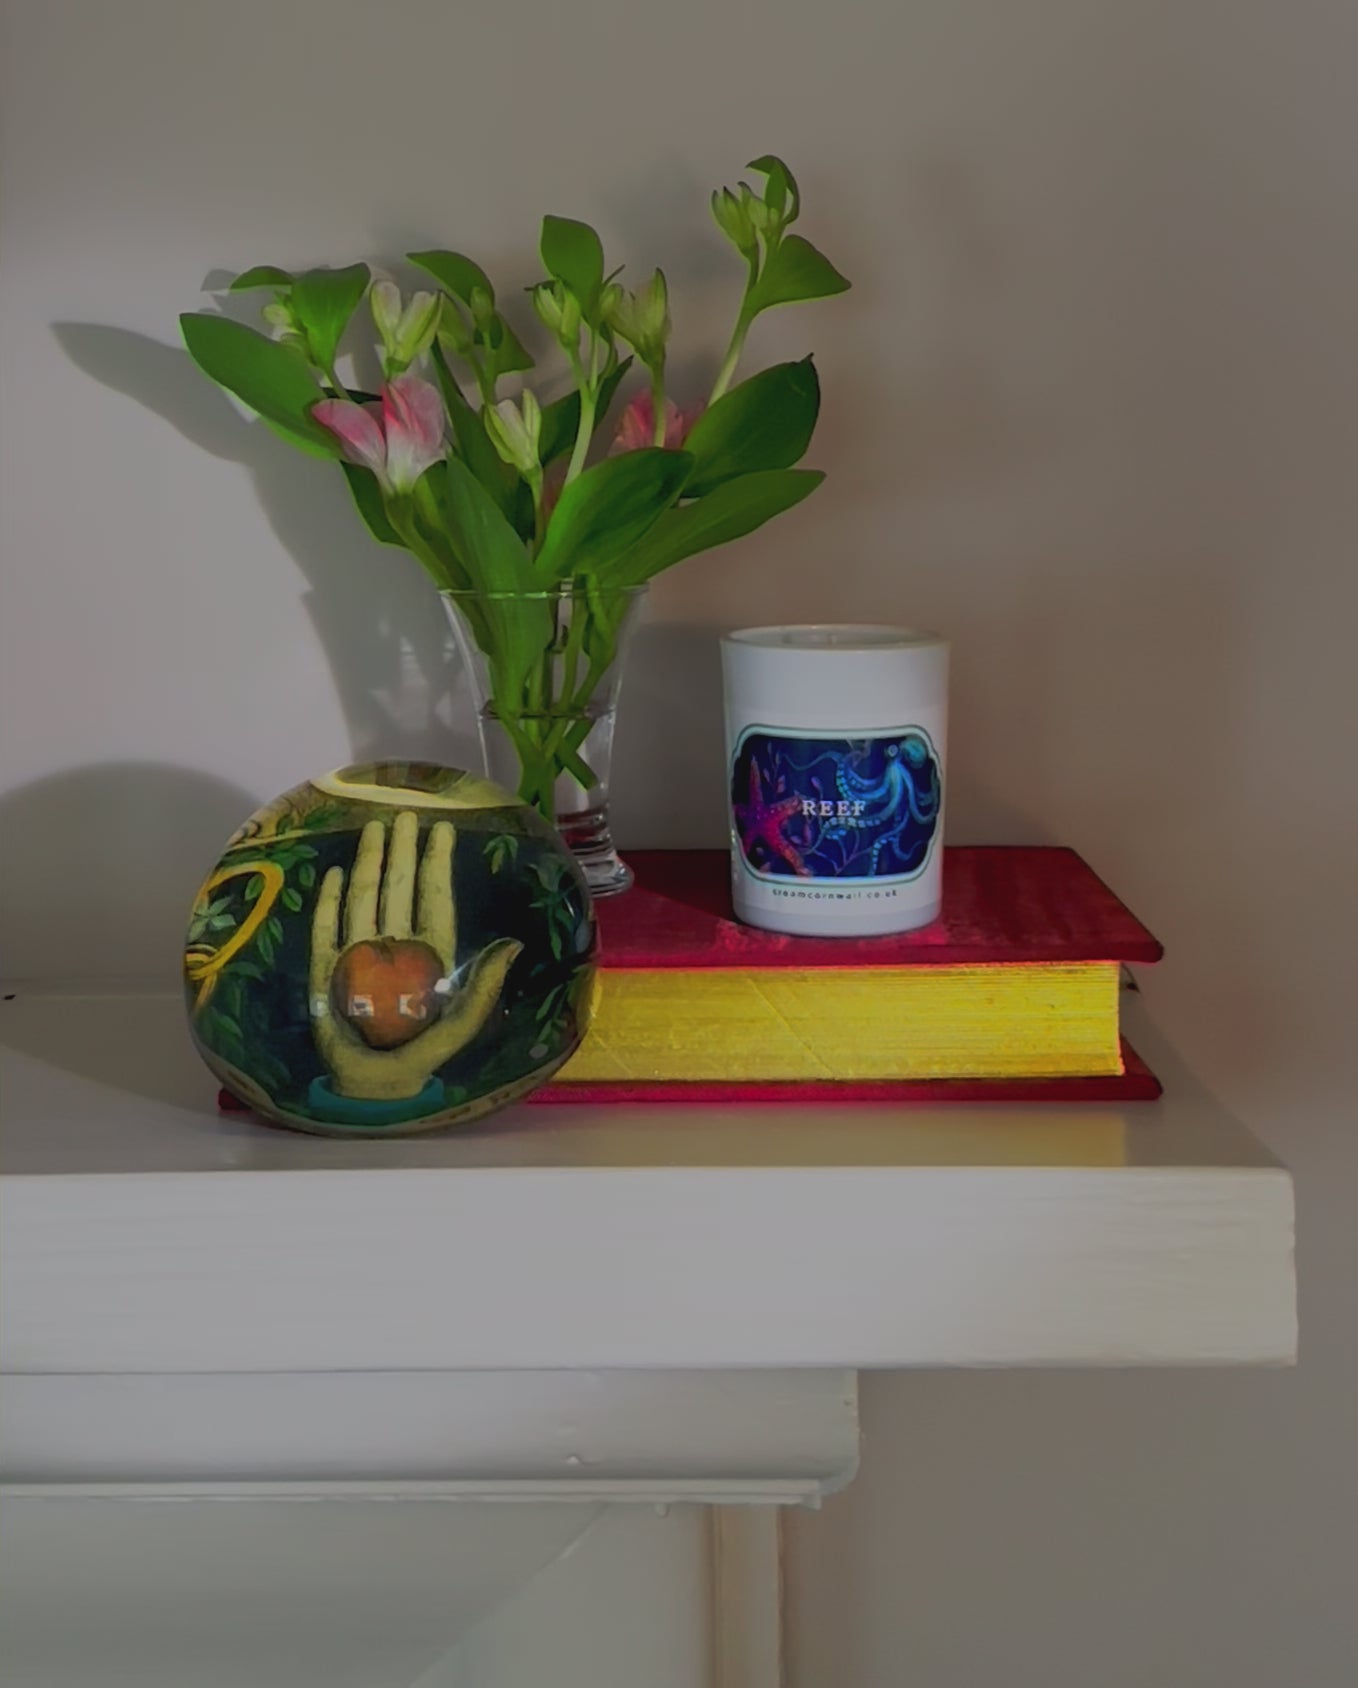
x: 1136, y: 1083
x: 1001, y: 903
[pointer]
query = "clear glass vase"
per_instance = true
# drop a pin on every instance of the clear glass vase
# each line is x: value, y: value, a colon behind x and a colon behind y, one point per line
x: 546, y: 669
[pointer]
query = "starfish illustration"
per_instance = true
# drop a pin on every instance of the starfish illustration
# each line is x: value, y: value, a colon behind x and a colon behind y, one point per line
x: 762, y: 822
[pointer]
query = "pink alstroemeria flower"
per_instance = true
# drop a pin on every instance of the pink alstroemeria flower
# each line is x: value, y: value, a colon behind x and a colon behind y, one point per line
x: 636, y: 427
x: 397, y: 438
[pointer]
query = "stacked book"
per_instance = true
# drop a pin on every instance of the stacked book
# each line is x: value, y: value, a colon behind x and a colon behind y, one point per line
x: 1013, y: 994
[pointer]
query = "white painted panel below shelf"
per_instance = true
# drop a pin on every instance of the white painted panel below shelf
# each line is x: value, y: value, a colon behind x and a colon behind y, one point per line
x: 728, y: 1437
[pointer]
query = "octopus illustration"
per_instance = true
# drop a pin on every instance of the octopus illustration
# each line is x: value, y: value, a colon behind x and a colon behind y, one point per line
x: 905, y: 795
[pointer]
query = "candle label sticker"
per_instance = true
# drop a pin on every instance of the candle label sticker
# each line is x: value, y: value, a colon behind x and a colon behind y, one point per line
x: 858, y: 809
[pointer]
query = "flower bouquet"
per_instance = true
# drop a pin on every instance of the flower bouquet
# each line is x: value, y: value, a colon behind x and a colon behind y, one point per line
x: 541, y: 553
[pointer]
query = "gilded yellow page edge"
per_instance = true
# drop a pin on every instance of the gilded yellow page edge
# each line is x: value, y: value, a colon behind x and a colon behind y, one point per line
x: 1045, y: 1020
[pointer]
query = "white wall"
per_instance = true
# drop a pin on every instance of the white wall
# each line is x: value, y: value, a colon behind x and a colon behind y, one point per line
x: 1092, y: 408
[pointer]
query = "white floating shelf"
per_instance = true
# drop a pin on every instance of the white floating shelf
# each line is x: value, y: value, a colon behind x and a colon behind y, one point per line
x: 141, y: 1232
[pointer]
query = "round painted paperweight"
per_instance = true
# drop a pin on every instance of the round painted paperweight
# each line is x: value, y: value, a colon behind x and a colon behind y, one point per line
x: 389, y: 949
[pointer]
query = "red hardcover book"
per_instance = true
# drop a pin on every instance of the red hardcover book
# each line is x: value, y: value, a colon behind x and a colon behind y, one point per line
x: 1011, y: 995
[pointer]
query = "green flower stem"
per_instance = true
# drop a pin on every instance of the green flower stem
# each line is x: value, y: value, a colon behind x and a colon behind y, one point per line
x: 536, y: 775
x: 589, y: 404
x: 570, y: 660
x: 539, y: 693
x: 401, y: 515
x: 485, y: 382
x: 658, y: 401
x: 539, y: 520
x: 535, y: 784
x: 575, y: 722
x: 744, y: 317
x: 558, y: 737
x: 732, y: 357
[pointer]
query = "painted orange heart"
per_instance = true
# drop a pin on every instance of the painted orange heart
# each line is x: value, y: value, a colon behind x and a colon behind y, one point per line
x: 385, y: 989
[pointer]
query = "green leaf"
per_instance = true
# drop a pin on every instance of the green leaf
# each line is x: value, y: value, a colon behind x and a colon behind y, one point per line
x: 469, y: 431
x: 229, y: 1026
x: 573, y: 254
x: 781, y: 195
x: 508, y: 355
x: 795, y: 270
x: 263, y: 275
x: 368, y: 499
x: 312, y: 447
x: 561, y: 418
x: 502, y: 848
x: 604, y: 512
x: 274, y: 926
x: 271, y: 378
x: 253, y: 889
x: 482, y: 536
x: 764, y: 423
x: 306, y: 876
x: 452, y: 271
x: 272, y: 1071
x: 323, y: 301
x: 292, y: 899
x: 734, y: 509
x: 266, y: 947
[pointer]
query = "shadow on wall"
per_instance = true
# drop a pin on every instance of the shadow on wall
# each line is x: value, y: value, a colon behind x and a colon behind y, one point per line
x: 100, y: 869
x: 377, y: 620
x: 668, y: 782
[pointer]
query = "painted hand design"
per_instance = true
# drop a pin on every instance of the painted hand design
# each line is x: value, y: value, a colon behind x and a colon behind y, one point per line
x: 411, y: 900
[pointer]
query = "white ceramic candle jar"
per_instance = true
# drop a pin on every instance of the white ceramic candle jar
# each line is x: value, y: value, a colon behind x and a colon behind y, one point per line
x: 835, y: 741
